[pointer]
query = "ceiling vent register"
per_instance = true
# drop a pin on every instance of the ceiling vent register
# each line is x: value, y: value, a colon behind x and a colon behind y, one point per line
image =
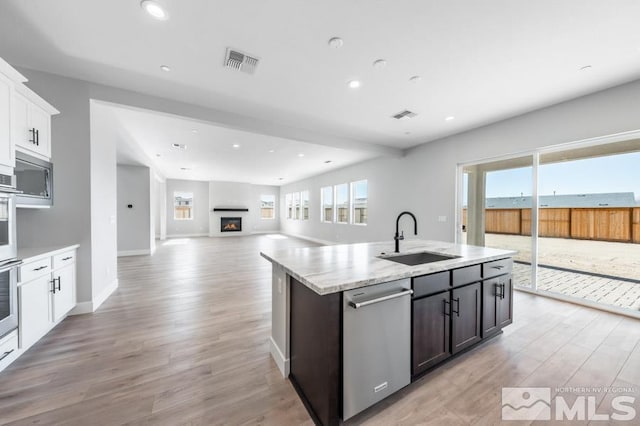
x: 404, y: 115
x: 241, y: 61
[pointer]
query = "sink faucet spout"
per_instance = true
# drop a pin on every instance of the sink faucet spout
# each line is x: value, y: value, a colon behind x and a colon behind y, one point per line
x: 400, y: 236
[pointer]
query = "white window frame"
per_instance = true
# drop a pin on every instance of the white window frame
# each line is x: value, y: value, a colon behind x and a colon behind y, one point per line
x: 352, y: 206
x: 323, y: 219
x: 191, y: 207
x: 302, y: 207
x: 288, y: 204
x: 335, y: 203
x: 273, y: 209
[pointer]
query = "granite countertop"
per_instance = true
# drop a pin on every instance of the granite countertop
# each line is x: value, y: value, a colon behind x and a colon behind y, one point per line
x: 28, y: 254
x: 331, y: 269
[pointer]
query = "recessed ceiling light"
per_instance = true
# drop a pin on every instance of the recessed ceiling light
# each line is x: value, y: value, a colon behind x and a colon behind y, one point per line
x: 165, y: 68
x: 157, y: 155
x: 272, y: 151
x: 179, y: 145
x: 194, y: 131
x: 407, y: 133
x: 154, y: 9
x: 327, y: 162
x: 280, y: 178
x: 236, y: 146
x: 185, y: 168
x: 586, y: 67
x: 354, y: 84
x: 415, y: 79
x: 336, y: 42
x: 379, y: 63
x: 301, y: 155
x: 449, y: 118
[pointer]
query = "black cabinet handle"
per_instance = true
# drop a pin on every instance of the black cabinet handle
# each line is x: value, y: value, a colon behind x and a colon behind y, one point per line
x: 33, y: 136
x: 67, y: 258
x: 502, y: 293
x: 40, y: 268
x: 498, y: 267
x: 37, y: 137
x: 6, y: 354
x: 457, y: 312
x: 59, y: 284
x: 497, y: 289
x: 444, y: 305
x: 53, y: 287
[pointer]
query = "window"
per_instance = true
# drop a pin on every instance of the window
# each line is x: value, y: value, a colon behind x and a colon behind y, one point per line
x: 359, y: 201
x: 296, y: 205
x: 327, y: 204
x: 288, y: 201
x: 342, y: 203
x: 183, y: 205
x: 304, y: 201
x: 267, y: 206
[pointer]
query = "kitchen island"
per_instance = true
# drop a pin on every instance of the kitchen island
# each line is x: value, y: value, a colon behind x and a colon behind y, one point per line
x: 351, y: 325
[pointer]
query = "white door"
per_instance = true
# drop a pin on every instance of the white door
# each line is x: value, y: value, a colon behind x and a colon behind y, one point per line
x: 35, y: 320
x: 64, y: 296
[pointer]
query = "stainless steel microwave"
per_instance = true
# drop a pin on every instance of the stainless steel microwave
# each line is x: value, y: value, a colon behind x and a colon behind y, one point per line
x: 34, y: 181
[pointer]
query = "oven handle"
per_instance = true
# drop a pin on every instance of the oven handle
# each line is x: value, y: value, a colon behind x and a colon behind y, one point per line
x: 10, y: 265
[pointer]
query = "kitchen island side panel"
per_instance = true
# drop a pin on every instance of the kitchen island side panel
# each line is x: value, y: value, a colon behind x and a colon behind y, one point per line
x: 315, y: 332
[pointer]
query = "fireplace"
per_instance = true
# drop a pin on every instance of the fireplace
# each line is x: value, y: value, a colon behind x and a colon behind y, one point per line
x: 230, y: 224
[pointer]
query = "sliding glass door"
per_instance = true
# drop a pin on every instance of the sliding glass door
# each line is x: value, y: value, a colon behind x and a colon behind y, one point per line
x: 497, y: 210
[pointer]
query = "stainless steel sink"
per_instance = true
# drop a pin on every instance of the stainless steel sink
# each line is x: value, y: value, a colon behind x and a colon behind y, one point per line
x: 419, y: 258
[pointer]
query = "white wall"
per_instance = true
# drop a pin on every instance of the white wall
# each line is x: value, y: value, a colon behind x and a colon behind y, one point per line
x: 424, y: 181
x: 135, y: 228
x: 199, y: 225
x: 104, y: 250
x: 243, y: 195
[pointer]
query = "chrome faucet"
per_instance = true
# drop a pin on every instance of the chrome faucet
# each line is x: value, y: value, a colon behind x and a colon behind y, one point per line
x: 399, y: 236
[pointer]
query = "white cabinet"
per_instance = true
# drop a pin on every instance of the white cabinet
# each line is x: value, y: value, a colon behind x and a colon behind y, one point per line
x: 32, y: 124
x: 45, y: 296
x: 34, y: 312
x: 7, y: 152
x: 64, y: 292
x: 8, y: 349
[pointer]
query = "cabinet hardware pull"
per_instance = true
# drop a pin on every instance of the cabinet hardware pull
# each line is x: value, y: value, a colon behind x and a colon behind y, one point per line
x: 40, y: 268
x: 356, y: 305
x: 53, y: 287
x: 498, y: 289
x: 502, y: 291
x: 33, y: 136
x: 6, y: 354
x: 444, y: 305
x: 457, y: 312
x: 38, y: 137
x: 59, y: 284
x: 67, y: 258
x: 498, y: 267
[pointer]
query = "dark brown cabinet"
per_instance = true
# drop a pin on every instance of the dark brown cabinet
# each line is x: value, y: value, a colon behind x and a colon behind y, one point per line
x: 466, y: 303
x: 431, y: 331
x: 497, y: 304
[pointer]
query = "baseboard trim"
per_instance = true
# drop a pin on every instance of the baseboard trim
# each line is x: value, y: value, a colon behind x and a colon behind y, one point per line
x: 277, y: 355
x: 187, y: 235
x: 144, y: 252
x: 108, y: 291
x: 313, y: 240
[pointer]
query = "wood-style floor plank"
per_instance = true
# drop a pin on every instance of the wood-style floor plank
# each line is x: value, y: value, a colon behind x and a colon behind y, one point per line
x: 184, y: 340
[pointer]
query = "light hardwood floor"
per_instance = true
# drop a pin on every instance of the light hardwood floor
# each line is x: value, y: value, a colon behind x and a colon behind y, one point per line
x: 184, y: 340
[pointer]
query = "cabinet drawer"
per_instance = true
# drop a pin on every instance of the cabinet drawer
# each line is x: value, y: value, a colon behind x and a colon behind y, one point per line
x: 466, y: 275
x: 8, y: 350
x: 430, y: 284
x: 497, y: 267
x: 34, y: 269
x: 63, y: 259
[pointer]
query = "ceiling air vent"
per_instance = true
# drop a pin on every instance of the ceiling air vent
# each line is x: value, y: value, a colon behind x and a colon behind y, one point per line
x: 404, y: 115
x: 240, y: 61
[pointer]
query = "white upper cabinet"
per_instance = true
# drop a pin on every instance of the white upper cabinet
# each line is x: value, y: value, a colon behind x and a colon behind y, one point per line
x: 32, y: 123
x: 25, y: 119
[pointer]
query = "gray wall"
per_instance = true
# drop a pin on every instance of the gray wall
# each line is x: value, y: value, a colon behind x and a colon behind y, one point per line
x: 199, y: 226
x: 245, y: 195
x: 69, y: 220
x: 424, y: 181
x: 134, y: 224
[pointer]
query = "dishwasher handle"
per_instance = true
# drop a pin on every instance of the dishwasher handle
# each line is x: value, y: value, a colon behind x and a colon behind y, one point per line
x: 356, y: 305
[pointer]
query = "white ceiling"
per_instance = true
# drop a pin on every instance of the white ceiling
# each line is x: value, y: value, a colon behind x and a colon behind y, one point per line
x: 480, y: 61
x: 147, y: 137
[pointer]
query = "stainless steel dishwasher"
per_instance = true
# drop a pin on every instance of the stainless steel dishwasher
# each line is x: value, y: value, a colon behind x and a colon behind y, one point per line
x: 376, y: 341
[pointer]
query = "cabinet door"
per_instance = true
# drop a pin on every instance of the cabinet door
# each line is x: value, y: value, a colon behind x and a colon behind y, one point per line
x: 465, y: 314
x: 35, y: 320
x: 490, y: 301
x: 505, y: 305
x: 64, y: 297
x: 23, y: 137
x: 41, y: 122
x: 431, y: 330
x: 6, y: 141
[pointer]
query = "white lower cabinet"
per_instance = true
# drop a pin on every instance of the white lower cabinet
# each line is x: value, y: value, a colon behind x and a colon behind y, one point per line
x: 34, y: 311
x: 45, y: 296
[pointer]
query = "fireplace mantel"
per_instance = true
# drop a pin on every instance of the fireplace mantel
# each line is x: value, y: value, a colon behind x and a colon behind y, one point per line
x: 230, y: 209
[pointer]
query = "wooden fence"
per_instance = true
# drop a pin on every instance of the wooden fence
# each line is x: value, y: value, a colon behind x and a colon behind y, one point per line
x: 605, y: 224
